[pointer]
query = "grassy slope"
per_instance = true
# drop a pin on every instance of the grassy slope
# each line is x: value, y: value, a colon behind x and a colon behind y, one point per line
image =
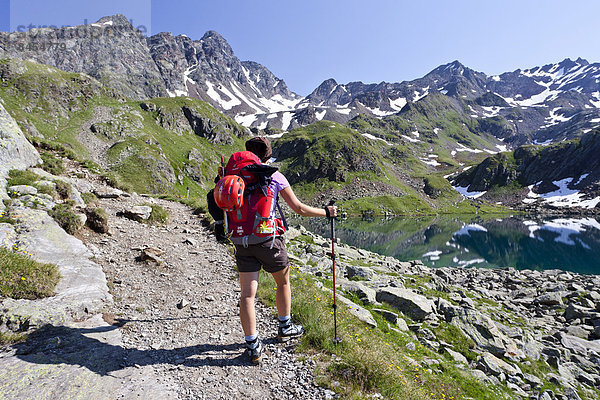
x: 58, y: 103
x: 397, y: 164
x: 372, y: 359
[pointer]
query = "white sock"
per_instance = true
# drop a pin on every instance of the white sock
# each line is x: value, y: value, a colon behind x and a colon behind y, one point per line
x: 251, y: 338
x: 283, y: 321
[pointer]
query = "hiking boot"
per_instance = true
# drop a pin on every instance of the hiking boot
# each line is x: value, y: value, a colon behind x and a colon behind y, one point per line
x: 291, y: 330
x: 254, y: 351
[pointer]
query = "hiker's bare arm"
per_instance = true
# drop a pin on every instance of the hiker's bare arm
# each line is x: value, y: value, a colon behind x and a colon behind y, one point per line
x: 300, y: 208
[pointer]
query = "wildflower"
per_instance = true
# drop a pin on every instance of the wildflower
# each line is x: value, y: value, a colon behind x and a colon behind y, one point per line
x: 22, y: 278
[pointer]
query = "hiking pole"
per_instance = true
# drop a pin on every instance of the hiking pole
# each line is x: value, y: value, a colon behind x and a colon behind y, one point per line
x: 336, y: 339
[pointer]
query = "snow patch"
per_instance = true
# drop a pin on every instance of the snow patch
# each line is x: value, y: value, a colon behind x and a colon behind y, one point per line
x: 246, y: 120
x: 464, y: 190
x: 345, y: 111
x: 429, y: 161
x: 418, y: 96
x: 433, y: 255
x: 398, y: 103
x: 467, y: 229
x: 563, y: 196
x: 491, y: 111
x: 466, y: 263
x: 225, y: 104
x: 369, y: 136
x: 555, y: 118
x: 286, y: 120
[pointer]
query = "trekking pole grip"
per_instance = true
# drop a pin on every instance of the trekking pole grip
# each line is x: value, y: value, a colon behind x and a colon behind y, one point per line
x: 327, y: 213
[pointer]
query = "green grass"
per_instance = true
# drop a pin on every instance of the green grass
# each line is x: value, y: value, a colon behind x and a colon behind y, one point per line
x: 454, y: 336
x: 370, y: 360
x: 158, y: 216
x: 18, y: 177
x: 63, y: 189
x: 195, y: 203
x: 12, y: 338
x: 52, y: 164
x: 5, y: 218
x: 23, y: 278
x: 64, y: 215
x: 89, y: 198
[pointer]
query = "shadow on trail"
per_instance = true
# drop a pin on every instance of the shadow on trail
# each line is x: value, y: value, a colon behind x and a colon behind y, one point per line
x: 99, y: 349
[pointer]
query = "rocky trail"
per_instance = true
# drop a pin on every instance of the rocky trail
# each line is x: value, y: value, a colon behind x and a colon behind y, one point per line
x: 171, y: 332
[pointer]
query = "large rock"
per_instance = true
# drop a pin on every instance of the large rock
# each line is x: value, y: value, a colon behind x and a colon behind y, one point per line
x: 393, y: 318
x: 354, y: 271
x: 413, y: 305
x: 15, y: 151
x: 23, y: 190
x: 107, y: 193
x: 493, y: 365
x: 81, y: 360
x: 366, y: 294
x: 7, y: 235
x: 138, y: 213
x: 82, y: 288
x: 578, y: 345
x: 484, y: 332
x: 359, y: 312
x: 549, y: 299
x: 76, y: 185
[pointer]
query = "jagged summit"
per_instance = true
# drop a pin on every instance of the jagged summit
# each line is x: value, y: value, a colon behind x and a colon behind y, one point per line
x: 565, y: 95
x: 116, y: 20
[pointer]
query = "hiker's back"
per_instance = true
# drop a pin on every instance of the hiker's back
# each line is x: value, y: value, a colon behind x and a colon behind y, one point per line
x: 249, y: 200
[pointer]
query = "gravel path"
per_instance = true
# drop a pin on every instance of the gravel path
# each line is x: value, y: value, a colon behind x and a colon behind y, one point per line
x: 197, y: 348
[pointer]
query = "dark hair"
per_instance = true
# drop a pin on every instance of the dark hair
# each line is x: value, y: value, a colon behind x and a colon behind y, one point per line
x: 260, y: 146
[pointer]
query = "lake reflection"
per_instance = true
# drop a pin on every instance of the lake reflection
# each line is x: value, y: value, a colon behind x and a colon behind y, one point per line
x: 522, y: 242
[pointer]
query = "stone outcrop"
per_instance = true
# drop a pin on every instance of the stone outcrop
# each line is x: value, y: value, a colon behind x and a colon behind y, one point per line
x: 409, y: 303
x: 15, y: 151
x: 82, y: 288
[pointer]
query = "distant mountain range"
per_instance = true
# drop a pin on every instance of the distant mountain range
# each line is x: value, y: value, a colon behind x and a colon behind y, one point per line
x: 537, y: 105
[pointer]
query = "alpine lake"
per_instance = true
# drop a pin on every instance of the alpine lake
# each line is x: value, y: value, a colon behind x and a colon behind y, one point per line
x: 521, y: 242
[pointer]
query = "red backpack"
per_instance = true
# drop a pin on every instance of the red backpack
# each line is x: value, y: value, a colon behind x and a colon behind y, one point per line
x: 244, y: 194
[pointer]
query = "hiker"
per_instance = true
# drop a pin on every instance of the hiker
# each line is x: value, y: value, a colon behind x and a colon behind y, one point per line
x: 272, y: 256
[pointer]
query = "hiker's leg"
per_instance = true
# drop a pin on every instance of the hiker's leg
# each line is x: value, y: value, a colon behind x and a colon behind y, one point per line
x: 283, y: 297
x: 248, y: 286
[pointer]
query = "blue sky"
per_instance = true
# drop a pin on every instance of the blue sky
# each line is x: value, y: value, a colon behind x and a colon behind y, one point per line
x: 305, y: 42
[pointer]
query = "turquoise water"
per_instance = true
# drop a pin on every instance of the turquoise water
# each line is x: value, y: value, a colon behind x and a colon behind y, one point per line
x: 571, y: 244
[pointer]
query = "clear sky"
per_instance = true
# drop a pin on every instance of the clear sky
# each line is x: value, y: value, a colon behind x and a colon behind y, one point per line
x: 307, y: 41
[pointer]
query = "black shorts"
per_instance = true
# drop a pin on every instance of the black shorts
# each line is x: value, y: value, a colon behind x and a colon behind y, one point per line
x: 250, y: 259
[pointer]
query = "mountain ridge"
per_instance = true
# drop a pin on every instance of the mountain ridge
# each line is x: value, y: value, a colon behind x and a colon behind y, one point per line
x: 540, y: 104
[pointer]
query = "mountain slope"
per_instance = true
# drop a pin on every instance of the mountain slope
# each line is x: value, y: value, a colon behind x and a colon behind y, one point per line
x: 114, y: 52
x: 566, y: 174
x: 162, y: 145
x: 110, y: 50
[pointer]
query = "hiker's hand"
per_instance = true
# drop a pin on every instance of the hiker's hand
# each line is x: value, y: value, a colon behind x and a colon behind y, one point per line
x: 331, y: 211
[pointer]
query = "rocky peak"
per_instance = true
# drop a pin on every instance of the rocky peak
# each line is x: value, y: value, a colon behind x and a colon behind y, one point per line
x: 214, y: 44
x: 325, y: 88
x: 117, y: 20
x: 110, y: 50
